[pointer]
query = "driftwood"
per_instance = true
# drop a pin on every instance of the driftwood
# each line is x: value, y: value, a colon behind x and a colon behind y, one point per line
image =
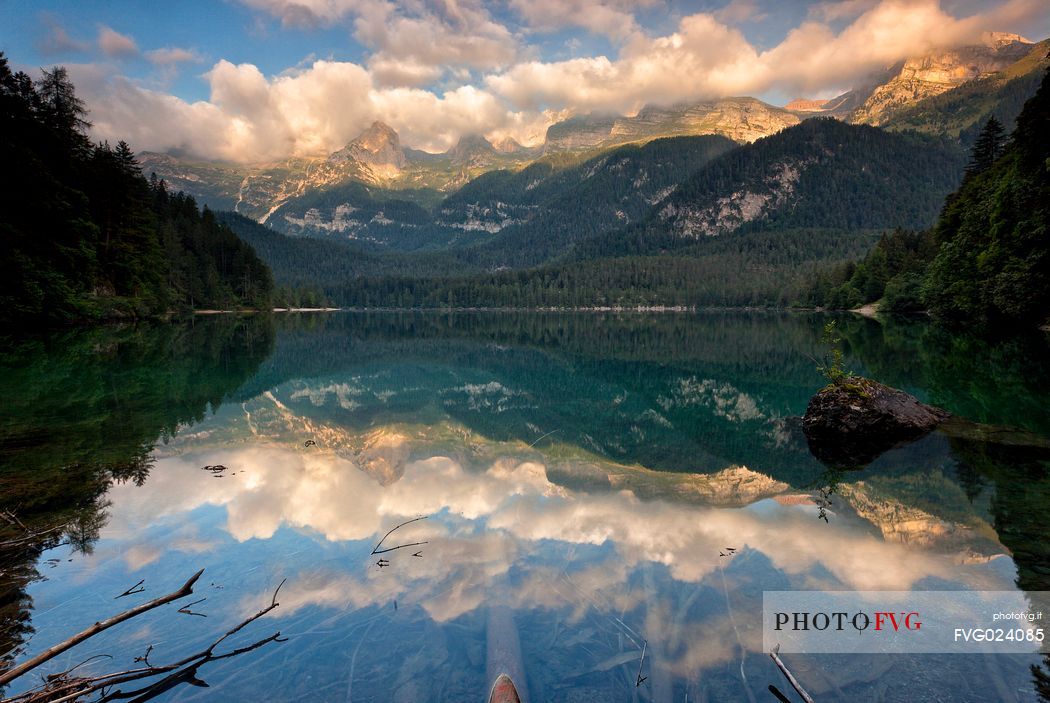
x: 63, y: 688
x: 775, y: 655
x: 52, y: 652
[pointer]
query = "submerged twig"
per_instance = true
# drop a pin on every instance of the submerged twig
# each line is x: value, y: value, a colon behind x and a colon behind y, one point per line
x: 133, y: 590
x: 13, y: 519
x: 639, y: 679
x: 51, y: 677
x: 185, y: 610
x: 377, y: 550
x: 145, y: 657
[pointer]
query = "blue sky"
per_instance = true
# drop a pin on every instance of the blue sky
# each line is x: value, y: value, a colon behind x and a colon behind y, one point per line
x: 263, y: 79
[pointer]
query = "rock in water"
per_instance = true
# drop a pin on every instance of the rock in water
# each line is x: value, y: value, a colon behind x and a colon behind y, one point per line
x: 855, y: 420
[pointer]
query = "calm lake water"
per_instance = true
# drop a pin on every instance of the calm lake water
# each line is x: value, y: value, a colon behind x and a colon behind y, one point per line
x: 579, y: 477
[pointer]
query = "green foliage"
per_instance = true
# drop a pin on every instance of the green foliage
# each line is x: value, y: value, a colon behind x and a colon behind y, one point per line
x: 987, y: 149
x: 832, y: 365
x: 903, y: 294
x: 86, y: 236
x: 993, y: 261
x: 1041, y: 678
x: 898, y: 257
x: 987, y: 260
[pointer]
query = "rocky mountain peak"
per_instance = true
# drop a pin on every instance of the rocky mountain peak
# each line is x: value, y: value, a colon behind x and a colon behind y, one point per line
x: 938, y: 72
x: 804, y: 105
x: 998, y: 40
x: 471, y: 148
x: 740, y: 119
x: 377, y: 136
x: 378, y: 146
x: 507, y: 145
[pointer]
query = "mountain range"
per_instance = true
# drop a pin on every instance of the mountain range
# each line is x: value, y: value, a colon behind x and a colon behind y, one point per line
x: 375, y: 159
x: 602, y: 184
x: 886, y: 94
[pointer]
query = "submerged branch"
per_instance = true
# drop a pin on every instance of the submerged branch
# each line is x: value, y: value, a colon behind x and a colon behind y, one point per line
x: 775, y: 656
x: 377, y: 550
x: 52, y: 652
x: 61, y: 688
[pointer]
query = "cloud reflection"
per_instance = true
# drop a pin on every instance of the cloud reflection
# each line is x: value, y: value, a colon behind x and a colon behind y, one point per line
x: 492, y: 517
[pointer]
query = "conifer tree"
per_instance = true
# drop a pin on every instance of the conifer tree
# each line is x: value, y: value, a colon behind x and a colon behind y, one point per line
x: 988, y: 147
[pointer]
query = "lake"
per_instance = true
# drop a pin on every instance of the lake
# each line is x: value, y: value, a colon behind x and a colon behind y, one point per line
x: 588, y: 485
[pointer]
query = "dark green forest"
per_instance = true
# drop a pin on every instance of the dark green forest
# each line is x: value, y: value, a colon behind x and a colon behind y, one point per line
x: 755, y: 270
x: 987, y: 259
x: 86, y: 236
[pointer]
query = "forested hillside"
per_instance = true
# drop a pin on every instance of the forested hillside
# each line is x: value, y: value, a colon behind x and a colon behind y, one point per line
x: 987, y: 260
x: 307, y: 266
x: 993, y: 256
x: 893, y: 270
x: 85, y: 235
x: 540, y: 212
x: 821, y: 173
x: 754, y: 270
x: 355, y: 211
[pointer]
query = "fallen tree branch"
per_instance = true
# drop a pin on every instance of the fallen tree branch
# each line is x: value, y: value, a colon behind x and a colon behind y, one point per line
x: 775, y: 655
x: 52, y: 652
x: 59, y: 689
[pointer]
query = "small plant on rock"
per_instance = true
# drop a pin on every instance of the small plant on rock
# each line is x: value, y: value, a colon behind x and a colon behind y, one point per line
x: 832, y: 364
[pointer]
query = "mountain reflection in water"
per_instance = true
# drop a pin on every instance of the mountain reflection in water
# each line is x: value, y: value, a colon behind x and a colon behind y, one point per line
x: 583, y: 473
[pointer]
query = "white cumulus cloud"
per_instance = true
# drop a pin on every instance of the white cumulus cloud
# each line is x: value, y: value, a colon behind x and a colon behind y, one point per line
x: 440, y: 70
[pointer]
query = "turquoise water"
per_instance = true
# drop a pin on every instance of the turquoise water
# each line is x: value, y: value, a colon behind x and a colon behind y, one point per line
x: 579, y: 476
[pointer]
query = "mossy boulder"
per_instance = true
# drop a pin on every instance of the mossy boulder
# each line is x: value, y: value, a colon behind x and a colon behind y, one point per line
x: 854, y: 420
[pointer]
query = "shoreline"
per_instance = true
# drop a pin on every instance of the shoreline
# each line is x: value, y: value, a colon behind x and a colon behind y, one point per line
x: 252, y: 311
x: 871, y: 310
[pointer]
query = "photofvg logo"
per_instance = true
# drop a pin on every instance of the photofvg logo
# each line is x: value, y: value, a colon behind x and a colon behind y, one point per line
x: 898, y: 622
x: 841, y: 621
